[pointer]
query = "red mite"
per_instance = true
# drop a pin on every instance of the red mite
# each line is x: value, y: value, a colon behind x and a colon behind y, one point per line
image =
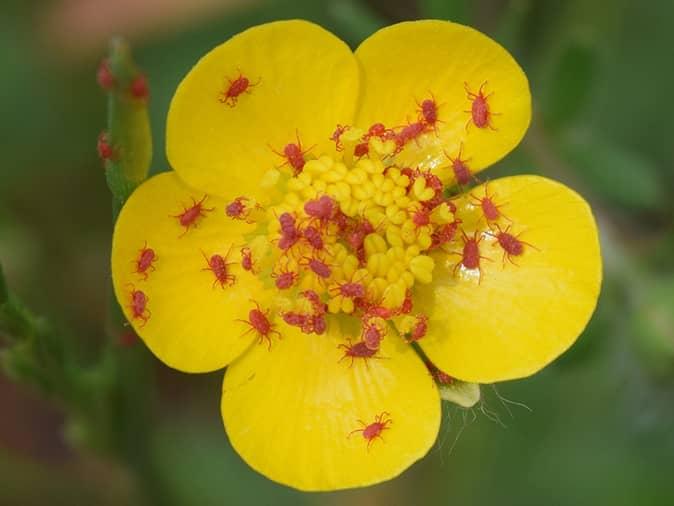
x: 372, y: 335
x: 236, y: 87
x: 420, y: 328
x: 285, y: 279
x: 105, y: 151
x: 145, y: 261
x: 219, y: 266
x: 361, y: 149
x: 320, y: 268
x: 357, y: 350
x: 409, y: 133
x: 408, y: 304
x: 510, y: 244
x: 428, y: 113
x: 313, y: 237
x: 247, y: 259
x: 294, y: 155
x: 421, y: 218
x: 259, y: 323
x: 470, y: 257
x: 322, y: 208
x: 138, y: 306
x: 373, y: 430
x: 139, y: 88
x: 444, y: 234
x: 104, y: 75
x: 490, y: 210
x: 461, y: 171
x: 189, y: 216
x: 479, y: 110
x: 379, y: 130
x: 318, y: 305
x: 350, y: 289
x: 336, y: 136
x: 237, y: 209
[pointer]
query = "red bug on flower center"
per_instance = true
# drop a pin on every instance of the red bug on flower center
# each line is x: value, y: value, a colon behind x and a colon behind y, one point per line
x: 462, y: 172
x: 219, y: 266
x: 479, y: 109
x: 189, y: 216
x: 421, y: 217
x: 318, y: 267
x: 235, y: 88
x: 373, y: 430
x: 294, y: 155
x: 409, y: 132
x: 138, y: 306
x: 322, y: 209
x: 313, y: 237
x: 372, y: 334
x: 258, y: 321
x: 145, y: 261
x: 419, y: 329
x: 284, y: 279
x: 444, y: 234
x: 238, y: 209
x: 336, y: 136
x: 350, y: 290
x: 470, y: 256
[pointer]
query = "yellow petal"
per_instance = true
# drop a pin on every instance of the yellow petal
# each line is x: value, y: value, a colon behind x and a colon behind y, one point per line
x: 410, y: 62
x: 189, y: 317
x: 303, y: 80
x: 508, y: 321
x: 291, y: 412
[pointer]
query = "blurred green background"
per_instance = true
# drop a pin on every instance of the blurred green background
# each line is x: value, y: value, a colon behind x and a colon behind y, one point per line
x: 601, y: 426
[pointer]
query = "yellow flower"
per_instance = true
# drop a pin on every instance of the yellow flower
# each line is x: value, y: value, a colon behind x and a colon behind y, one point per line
x: 307, y: 237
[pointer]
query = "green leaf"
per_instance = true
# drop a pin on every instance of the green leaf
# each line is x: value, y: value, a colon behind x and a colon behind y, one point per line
x: 453, y: 10
x: 569, y: 85
x: 622, y: 177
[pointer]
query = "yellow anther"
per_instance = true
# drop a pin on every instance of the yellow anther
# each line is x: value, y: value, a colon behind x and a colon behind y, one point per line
x: 394, y: 295
x: 342, y: 191
x: 270, y: 178
x: 378, y: 180
x: 305, y: 178
x: 347, y: 305
x: 359, y: 192
x: 424, y: 240
x: 395, y: 253
x: 422, y: 268
x: 356, y: 176
x: 403, y: 201
x: 373, y: 262
x: 295, y: 184
x: 388, y: 185
x: 393, y: 274
x: 421, y: 191
x: 375, y: 216
x: 349, y: 266
x: 398, y: 192
x: 393, y: 236
x: 319, y: 185
x: 442, y: 214
x: 393, y: 173
x: 408, y: 278
x: 335, y: 304
x: 411, y: 252
x: 403, y: 181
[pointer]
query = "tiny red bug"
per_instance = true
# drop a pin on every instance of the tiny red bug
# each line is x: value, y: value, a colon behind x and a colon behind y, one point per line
x: 357, y: 350
x: 421, y: 217
x: 138, y: 306
x: 145, y: 261
x: 349, y: 289
x: 189, y: 216
x: 139, y: 88
x: 247, y: 259
x: 259, y: 322
x: 294, y: 155
x: 105, y: 151
x: 490, y: 210
x: 238, y: 209
x: 235, y: 88
x: 419, y: 329
x: 410, y: 132
x: 337, y: 134
x: 444, y: 234
x: 511, y: 244
x: 373, y: 430
x: 318, y: 267
x: 284, y: 279
x: 104, y: 75
x: 428, y: 113
x: 219, y: 266
x: 372, y: 334
x: 479, y: 109
x: 318, y: 305
x: 361, y: 149
x: 313, y: 237
x: 462, y: 172
x: 470, y: 256
x: 322, y: 209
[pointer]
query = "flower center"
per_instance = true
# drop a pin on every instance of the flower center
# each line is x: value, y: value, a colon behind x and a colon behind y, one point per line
x: 352, y: 236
